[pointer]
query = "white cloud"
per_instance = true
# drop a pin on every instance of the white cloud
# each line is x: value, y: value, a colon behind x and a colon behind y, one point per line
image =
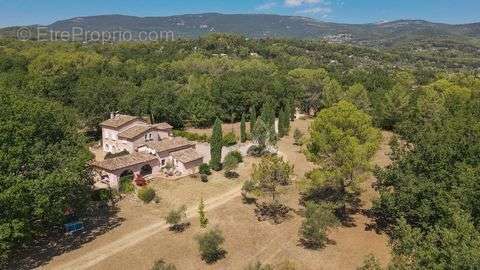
x: 296, y: 3
x: 266, y: 6
x: 316, y: 10
x: 316, y: 7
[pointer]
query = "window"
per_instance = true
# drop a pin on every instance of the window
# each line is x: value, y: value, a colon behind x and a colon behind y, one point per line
x: 145, y: 137
x: 163, y: 162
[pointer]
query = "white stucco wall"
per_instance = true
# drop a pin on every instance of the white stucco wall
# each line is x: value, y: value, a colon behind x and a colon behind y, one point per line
x: 111, y: 143
x: 163, y: 135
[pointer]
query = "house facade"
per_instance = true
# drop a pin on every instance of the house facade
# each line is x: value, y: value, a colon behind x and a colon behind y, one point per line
x: 177, y: 153
x: 125, y: 132
x: 151, y: 150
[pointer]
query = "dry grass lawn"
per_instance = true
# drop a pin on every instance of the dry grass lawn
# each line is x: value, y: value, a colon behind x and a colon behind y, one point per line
x: 246, y: 239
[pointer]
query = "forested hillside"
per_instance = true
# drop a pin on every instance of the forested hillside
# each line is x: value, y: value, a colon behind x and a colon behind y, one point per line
x: 54, y: 95
x: 269, y: 26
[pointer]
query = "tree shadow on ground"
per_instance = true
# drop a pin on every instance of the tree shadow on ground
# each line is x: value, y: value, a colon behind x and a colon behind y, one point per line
x: 346, y: 215
x: 248, y: 200
x: 379, y: 224
x: 276, y: 213
x: 329, y: 194
x: 306, y: 244
x: 42, y: 250
x: 179, y: 228
x: 221, y: 254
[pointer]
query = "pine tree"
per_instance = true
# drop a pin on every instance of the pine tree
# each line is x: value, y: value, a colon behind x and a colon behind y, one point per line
x: 253, y: 118
x: 216, y: 145
x: 243, y: 131
x: 201, y: 214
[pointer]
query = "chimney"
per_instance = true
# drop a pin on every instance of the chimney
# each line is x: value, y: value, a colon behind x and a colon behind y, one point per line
x: 112, y: 115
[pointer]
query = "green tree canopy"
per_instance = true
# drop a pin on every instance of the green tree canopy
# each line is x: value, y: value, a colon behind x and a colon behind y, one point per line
x: 342, y: 140
x: 42, y: 167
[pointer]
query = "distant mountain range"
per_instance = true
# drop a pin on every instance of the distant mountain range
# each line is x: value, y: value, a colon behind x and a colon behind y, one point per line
x: 266, y: 26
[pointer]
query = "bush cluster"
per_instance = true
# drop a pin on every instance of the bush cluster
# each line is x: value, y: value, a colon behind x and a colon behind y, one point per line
x: 237, y: 155
x: 205, y: 169
x: 229, y: 139
x: 146, y: 194
x: 126, y: 184
x: 191, y: 136
x: 210, y: 245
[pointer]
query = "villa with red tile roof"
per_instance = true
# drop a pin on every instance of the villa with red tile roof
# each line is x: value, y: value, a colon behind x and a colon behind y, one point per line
x: 151, y: 147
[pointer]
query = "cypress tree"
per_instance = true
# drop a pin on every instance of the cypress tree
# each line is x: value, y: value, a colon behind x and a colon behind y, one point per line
x: 268, y: 113
x: 281, y: 124
x: 288, y: 117
x: 243, y: 131
x: 253, y: 118
x: 260, y: 134
x: 216, y: 145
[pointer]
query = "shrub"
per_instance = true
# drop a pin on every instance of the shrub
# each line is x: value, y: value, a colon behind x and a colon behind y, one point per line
x: 204, y: 178
x: 230, y: 164
x: 162, y: 265
x: 257, y: 151
x: 236, y: 154
x: 318, y: 218
x: 175, y: 217
x: 248, y: 187
x: 201, y: 214
x: 146, y: 194
x: 102, y: 195
x: 229, y: 139
x: 209, y: 244
x: 205, y: 169
x: 231, y: 174
x: 191, y: 136
x: 297, y: 136
x: 126, y: 184
x: 169, y: 165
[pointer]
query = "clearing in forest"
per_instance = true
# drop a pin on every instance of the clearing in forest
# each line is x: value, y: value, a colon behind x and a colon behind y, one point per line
x: 144, y: 238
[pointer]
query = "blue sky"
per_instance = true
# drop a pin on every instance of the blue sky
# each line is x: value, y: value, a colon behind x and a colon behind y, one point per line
x: 24, y: 12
